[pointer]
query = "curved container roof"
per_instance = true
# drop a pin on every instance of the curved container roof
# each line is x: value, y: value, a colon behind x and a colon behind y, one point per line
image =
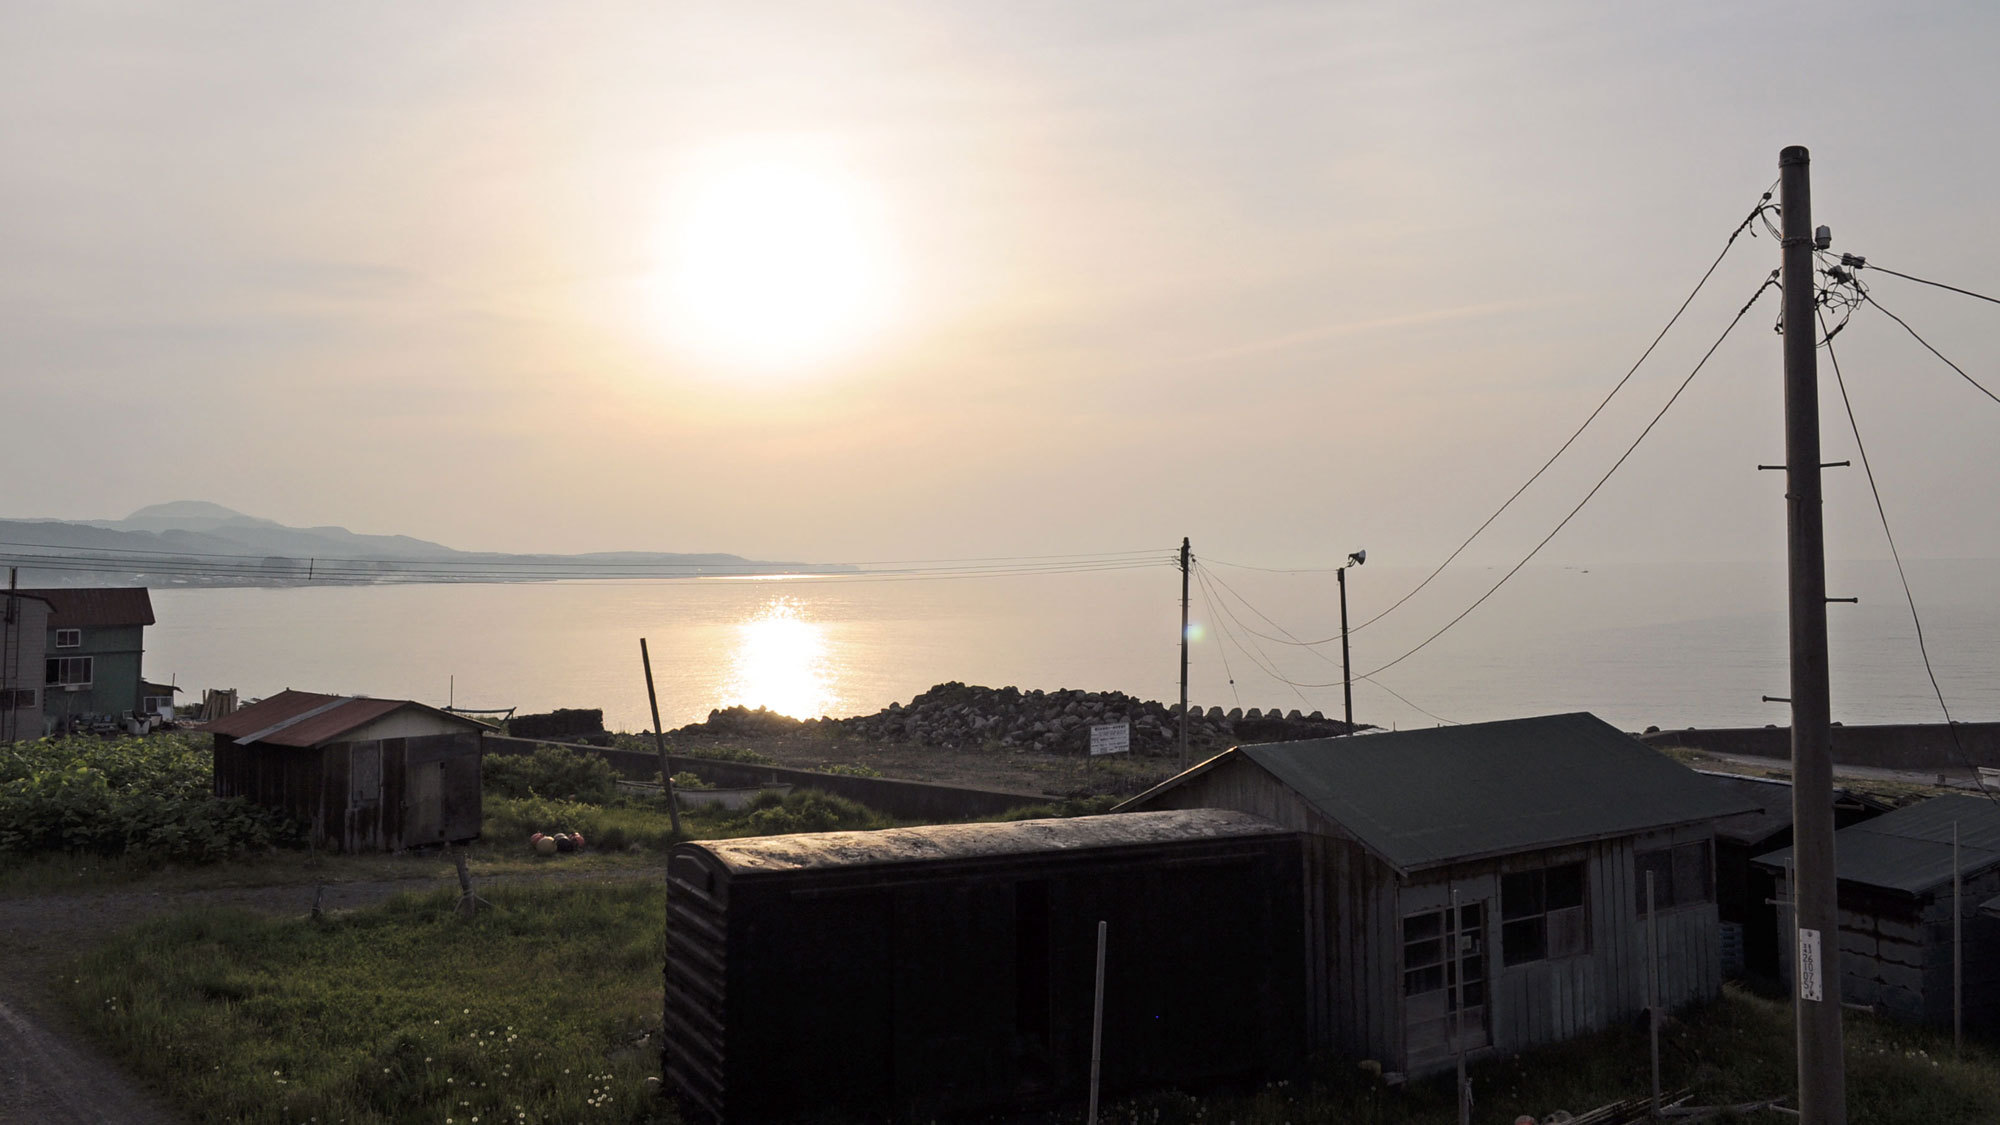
x: 835, y: 851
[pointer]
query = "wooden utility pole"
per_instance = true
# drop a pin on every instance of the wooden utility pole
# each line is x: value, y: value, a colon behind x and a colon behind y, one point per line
x: 1346, y: 681
x: 1822, y: 1063
x: 660, y: 744
x: 1184, y: 651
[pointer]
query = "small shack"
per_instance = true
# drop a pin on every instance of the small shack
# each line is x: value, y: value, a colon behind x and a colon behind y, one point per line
x: 950, y: 969
x: 365, y: 774
x: 1746, y: 894
x: 1481, y: 888
x: 1895, y: 893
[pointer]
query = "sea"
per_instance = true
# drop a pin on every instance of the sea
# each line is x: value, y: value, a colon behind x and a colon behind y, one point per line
x: 1667, y: 644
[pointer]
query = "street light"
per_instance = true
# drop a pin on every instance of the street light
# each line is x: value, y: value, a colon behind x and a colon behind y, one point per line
x: 1346, y: 681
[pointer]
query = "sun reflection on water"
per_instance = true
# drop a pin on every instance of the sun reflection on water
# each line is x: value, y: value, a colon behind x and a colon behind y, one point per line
x: 780, y: 661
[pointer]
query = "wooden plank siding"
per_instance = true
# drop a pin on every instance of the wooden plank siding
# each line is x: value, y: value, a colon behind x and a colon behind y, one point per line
x: 315, y: 785
x: 1355, y: 906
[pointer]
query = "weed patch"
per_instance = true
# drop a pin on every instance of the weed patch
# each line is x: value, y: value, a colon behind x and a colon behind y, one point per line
x: 544, y: 1009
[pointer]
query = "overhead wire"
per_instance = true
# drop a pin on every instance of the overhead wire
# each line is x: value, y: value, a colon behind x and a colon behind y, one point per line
x: 1902, y: 576
x: 1769, y: 283
x: 1289, y: 639
x: 1863, y: 263
x: 1764, y: 204
x: 1870, y: 298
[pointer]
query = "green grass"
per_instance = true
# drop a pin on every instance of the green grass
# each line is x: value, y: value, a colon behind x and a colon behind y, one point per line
x: 404, y: 1013
x: 544, y: 1009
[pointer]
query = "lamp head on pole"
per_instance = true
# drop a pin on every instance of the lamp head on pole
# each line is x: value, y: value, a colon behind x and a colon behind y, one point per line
x: 1357, y: 558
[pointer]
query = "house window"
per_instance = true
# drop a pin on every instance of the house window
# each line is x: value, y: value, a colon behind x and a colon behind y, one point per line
x: 18, y: 699
x: 69, y: 638
x: 1542, y: 914
x: 70, y: 671
x: 1683, y: 875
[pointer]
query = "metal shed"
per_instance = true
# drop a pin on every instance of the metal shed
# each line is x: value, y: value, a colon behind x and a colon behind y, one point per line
x: 1895, y: 890
x: 949, y: 969
x: 1541, y: 830
x: 365, y: 774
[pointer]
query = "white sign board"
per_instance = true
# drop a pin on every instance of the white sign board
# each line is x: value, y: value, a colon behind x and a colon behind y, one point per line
x: 1809, y: 965
x: 1111, y: 738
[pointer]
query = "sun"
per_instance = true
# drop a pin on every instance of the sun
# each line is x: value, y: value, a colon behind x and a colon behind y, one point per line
x: 774, y: 259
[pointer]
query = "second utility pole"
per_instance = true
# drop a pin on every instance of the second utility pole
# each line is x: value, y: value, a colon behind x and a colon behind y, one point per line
x: 1184, y: 646
x: 1816, y: 956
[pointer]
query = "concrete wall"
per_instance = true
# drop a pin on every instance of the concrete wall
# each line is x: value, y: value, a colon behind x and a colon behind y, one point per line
x: 1904, y: 746
x: 920, y: 801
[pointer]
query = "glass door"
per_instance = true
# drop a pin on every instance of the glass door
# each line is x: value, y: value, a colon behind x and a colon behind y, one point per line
x: 1444, y: 981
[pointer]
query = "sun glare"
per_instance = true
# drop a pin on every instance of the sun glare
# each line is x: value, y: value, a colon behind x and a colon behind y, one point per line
x: 780, y: 661
x: 773, y: 260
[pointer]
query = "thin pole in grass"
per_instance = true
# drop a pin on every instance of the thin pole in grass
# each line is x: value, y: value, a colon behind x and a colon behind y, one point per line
x: 1653, y: 988
x: 660, y: 743
x: 1097, y: 1025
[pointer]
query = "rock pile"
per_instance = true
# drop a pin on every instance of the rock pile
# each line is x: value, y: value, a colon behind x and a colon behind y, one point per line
x: 960, y: 716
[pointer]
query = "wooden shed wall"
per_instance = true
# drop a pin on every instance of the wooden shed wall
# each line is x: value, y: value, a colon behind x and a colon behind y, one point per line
x: 1896, y: 955
x: 408, y: 809
x: 1355, y: 905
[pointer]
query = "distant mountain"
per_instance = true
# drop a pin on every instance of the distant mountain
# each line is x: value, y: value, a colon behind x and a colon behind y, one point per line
x: 196, y: 543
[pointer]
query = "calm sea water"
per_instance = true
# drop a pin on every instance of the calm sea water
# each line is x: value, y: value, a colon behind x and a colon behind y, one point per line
x: 1638, y: 645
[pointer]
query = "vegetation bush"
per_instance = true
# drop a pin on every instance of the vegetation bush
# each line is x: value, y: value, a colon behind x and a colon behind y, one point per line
x: 770, y: 814
x: 604, y: 827
x: 150, y: 796
x: 569, y: 722
x: 551, y: 771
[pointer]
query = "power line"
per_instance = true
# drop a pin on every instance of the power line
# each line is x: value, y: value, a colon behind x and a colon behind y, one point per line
x: 1763, y: 204
x: 1915, y: 619
x: 1289, y: 639
x: 1870, y: 298
x: 1863, y: 263
x: 1769, y: 282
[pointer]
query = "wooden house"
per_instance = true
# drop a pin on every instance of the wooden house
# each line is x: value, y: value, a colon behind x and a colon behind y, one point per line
x: 366, y: 774
x: 1482, y: 887
x: 1895, y: 889
x: 1746, y: 894
x: 950, y: 969
x: 24, y: 622
x: 95, y: 643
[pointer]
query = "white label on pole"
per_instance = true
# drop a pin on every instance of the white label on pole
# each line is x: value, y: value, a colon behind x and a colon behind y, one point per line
x: 1111, y: 738
x: 1809, y: 965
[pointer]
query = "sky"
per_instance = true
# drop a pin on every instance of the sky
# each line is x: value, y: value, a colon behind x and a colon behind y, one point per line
x: 856, y: 281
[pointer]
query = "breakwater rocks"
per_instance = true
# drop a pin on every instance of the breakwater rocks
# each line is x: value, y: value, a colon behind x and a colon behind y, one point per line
x: 961, y: 716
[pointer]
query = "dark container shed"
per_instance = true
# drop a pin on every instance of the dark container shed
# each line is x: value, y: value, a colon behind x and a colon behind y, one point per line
x: 1895, y: 892
x: 364, y: 774
x: 949, y: 970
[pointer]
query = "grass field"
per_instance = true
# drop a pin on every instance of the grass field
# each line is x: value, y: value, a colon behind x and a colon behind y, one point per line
x: 547, y: 1008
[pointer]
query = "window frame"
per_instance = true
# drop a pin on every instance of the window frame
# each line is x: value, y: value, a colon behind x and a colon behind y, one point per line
x: 61, y: 666
x: 1535, y: 930
x: 75, y: 638
x: 1669, y: 893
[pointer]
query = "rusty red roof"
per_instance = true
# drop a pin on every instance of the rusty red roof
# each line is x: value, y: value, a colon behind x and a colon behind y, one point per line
x: 302, y: 719
x: 95, y: 606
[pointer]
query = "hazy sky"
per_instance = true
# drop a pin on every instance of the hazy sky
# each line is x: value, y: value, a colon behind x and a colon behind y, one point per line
x: 868, y: 281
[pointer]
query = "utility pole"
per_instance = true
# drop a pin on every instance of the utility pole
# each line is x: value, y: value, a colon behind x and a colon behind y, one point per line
x: 1184, y: 650
x: 1822, y: 1064
x: 1346, y: 681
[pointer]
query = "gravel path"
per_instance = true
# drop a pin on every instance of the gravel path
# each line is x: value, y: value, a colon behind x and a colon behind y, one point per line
x: 50, y: 1074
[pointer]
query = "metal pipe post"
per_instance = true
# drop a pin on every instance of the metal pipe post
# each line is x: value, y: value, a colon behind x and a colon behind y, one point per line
x: 1822, y: 1064
x: 1097, y: 1025
x: 660, y: 743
